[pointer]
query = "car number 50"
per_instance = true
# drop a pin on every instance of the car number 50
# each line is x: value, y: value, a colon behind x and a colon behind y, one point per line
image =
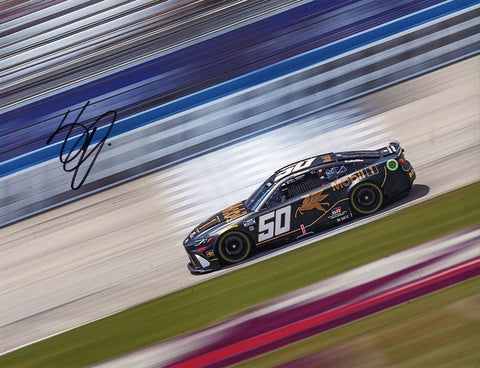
x: 274, y: 223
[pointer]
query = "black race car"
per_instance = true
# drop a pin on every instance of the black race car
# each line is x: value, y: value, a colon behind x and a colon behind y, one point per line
x: 300, y: 199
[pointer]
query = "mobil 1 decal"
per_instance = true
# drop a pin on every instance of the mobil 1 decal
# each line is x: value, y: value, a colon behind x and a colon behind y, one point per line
x: 359, y: 175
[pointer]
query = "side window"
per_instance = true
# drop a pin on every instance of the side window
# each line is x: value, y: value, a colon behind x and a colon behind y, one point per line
x: 277, y: 197
x: 305, y: 183
x: 295, y: 187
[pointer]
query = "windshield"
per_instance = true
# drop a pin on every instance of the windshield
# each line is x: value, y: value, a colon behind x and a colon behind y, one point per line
x: 256, y: 198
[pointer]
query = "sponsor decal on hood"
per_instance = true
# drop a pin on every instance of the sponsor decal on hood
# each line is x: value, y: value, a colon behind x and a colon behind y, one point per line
x: 228, y: 214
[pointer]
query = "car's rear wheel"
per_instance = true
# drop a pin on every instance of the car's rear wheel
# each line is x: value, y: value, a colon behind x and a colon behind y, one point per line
x: 234, y: 247
x: 366, y: 198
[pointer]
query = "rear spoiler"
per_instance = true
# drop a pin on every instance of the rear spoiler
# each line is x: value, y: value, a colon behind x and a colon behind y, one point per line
x: 392, y: 148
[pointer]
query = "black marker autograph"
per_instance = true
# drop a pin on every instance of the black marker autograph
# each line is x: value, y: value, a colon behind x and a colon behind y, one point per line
x: 81, y: 152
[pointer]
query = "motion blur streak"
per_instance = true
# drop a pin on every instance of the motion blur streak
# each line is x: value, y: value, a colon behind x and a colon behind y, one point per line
x: 51, y: 46
x: 214, y: 117
x: 322, y: 306
x: 108, y: 251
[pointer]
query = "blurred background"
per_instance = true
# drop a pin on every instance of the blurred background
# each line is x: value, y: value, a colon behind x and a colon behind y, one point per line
x: 185, y: 78
x: 181, y: 108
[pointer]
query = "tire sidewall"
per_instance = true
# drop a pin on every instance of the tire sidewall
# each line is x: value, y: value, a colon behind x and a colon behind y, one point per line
x: 377, y: 203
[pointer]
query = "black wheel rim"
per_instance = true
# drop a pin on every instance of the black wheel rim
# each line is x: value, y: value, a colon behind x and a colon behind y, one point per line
x: 234, y: 248
x: 367, y: 198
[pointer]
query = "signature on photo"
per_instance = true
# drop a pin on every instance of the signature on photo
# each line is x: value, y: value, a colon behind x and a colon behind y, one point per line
x: 79, y: 153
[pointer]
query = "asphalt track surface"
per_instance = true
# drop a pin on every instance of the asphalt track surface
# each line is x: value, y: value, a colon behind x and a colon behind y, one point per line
x: 120, y: 247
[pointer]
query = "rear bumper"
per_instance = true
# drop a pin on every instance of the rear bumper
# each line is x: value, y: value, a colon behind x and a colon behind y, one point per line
x: 412, y: 174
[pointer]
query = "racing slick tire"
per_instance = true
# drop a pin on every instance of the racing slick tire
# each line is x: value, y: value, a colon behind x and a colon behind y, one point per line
x: 234, y: 247
x: 366, y: 198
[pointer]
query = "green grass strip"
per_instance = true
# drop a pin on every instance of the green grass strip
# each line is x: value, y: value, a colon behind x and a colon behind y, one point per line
x: 439, y: 330
x: 214, y: 300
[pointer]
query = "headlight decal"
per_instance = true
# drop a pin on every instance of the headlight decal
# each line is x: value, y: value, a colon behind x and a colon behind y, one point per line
x: 203, y: 261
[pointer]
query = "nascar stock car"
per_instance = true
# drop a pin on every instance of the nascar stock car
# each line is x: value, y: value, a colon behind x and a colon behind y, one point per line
x: 300, y: 199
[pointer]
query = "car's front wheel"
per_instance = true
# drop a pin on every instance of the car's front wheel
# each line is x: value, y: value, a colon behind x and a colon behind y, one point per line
x: 234, y: 247
x: 366, y: 198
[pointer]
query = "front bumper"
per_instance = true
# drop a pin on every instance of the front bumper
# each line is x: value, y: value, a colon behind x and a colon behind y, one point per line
x: 200, y: 264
